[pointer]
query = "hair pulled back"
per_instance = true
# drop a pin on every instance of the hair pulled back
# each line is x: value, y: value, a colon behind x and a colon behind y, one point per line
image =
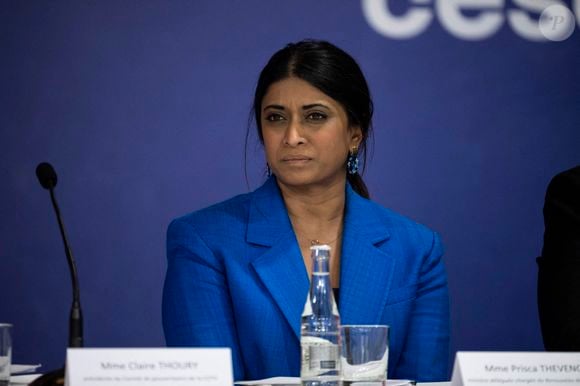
x: 332, y: 71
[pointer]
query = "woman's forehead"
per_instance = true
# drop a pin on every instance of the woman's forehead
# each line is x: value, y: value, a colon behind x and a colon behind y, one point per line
x: 295, y: 91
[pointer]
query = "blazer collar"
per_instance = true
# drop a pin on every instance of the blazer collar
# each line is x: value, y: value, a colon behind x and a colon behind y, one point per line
x: 268, y: 221
x: 365, y: 270
x: 280, y: 267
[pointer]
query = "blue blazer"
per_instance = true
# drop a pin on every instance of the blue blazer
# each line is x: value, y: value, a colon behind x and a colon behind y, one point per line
x: 236, y: 278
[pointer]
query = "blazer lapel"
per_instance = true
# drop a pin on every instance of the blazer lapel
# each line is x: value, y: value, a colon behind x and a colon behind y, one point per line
x: 366, y: 270
x: 280, y: 268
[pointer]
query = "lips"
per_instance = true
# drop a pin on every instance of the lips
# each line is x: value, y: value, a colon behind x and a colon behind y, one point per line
x: 296, y: 158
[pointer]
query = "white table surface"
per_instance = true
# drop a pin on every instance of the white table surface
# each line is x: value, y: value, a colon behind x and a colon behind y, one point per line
x: 30, y: 377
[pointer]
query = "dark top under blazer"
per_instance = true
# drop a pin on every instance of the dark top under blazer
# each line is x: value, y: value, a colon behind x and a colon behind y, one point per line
x: 236, y: 278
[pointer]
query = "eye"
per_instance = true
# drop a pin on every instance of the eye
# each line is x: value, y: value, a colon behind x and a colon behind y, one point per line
x: 273, y: 117
x: 316, y: 116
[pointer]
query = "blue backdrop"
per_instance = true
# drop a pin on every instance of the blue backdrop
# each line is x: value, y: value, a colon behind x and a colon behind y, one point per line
x: 142, y: 106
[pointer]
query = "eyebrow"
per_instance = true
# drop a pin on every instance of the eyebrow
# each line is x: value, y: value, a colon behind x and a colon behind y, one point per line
x: 314, y: 105
x: 275, y: 107
x: 305, y: 107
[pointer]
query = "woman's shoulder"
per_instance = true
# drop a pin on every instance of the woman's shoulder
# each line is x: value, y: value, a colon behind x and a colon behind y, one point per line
x: 226, y: 213
x: 395, y: 226
x: 398, y: 220
x: 387, y: 217
x: 224, y: 223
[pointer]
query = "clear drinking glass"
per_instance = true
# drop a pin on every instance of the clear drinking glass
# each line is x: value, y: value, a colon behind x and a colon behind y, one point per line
x: 5, y: 353
x: 364, y: 354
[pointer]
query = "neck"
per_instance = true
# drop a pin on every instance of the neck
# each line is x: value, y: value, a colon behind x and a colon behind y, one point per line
x: 316, y: 213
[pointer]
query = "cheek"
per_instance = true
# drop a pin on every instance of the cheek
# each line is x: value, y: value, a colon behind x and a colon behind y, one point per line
x: 337, y: 146
x: 270, y: 146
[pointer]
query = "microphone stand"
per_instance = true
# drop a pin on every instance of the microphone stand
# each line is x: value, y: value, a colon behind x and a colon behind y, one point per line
x: 75, y: 337
x: 75, y: 333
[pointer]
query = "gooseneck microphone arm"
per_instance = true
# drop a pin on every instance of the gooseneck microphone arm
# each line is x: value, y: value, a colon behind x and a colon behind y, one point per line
x: 75, y: 333
x: 47, y: 177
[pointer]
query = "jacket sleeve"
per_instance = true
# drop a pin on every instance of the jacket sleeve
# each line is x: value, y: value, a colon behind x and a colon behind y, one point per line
x: 426, y: 352
x: 197, y: 308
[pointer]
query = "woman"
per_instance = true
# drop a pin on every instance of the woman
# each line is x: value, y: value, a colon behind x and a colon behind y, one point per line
x: 238, y: 271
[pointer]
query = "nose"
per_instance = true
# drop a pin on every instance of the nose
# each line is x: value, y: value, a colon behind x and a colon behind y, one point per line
x: 294, y: 134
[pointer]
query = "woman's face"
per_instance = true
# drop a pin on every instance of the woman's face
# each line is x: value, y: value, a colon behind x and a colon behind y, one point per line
x: 306, y: 134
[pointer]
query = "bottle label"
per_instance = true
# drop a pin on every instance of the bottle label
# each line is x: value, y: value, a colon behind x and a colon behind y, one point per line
x: 318, y: 357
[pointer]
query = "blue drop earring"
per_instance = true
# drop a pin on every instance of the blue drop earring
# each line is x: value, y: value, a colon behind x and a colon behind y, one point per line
x: 352, y: 161
x: 268, y: 171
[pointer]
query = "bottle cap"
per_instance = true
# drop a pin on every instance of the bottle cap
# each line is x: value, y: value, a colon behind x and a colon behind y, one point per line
x: 320, y: 247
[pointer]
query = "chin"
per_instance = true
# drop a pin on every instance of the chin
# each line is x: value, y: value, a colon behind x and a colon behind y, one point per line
x: 295, y: 179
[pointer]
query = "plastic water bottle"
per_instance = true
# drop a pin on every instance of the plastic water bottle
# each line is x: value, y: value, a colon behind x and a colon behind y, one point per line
x: 320, y: 329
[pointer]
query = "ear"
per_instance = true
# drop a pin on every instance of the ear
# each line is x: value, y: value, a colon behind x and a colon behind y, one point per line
x: 356, y: 136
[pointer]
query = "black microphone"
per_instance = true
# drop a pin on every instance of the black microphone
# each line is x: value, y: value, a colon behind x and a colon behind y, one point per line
x: 47, y: 178
x: 46, y: 175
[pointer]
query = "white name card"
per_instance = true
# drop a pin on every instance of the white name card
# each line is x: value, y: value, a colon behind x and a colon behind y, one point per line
x: 516, y: 368
x: 148, y: 367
